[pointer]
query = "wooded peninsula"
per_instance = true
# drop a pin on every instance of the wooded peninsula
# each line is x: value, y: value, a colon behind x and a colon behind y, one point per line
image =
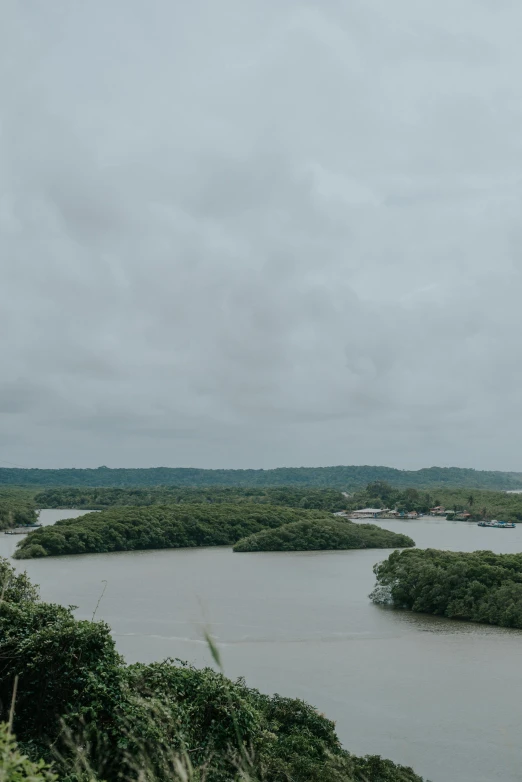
x: 477, y: 586
x: 17, y: 508
x: 192, y: 525
x: 324, y: 535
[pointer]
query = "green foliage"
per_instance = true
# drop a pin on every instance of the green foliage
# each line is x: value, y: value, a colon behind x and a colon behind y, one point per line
x: 17, y: 508
x: 78, y: 702
x: 489, y: 504
x: 346, y: 478
x: 380, y: 494
x: 157, y: 527
x: 481, y: 504
x: 100, y: 498
x: 323, y: 534
x: 16, y: 767
x: 15, y: 587
x: 65, y: 667
x: 478, y: 586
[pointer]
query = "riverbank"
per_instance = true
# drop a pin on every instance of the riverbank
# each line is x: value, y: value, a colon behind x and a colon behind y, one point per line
x: 151, y: 718
x: 301, y: 624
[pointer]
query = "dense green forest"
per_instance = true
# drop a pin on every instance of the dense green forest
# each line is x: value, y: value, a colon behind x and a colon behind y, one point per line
x: 99, y: 498
x: 16, y: 508
x: 378, y: 494
x: 81, y: 707
x: 157, y: 527
x: 346, y: 478
x: 478, y: 586
x: 481, y: 504
x: 322, y: 535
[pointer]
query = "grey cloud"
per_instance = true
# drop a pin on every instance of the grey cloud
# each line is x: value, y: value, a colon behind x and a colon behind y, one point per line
x: 259, y: 234
x: 18, y: 396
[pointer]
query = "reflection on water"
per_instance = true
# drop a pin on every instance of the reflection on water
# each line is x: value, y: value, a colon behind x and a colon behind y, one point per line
x: 440, y: 695
x: 426, y: 623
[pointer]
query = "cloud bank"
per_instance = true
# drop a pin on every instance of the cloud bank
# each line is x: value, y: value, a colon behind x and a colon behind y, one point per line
x: 254, y: 234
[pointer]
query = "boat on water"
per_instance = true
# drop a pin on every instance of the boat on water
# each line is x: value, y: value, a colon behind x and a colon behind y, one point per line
x: 497, y: 524
x: 23, y: 530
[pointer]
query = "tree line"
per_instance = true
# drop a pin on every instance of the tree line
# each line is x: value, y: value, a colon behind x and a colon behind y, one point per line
x: 341, y: 477
x: 100, y: 498
x: 82, y: 709
x: 479, y: 586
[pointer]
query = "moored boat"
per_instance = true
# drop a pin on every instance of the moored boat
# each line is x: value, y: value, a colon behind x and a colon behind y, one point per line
x: 497, y: 524
x: 22, y: 530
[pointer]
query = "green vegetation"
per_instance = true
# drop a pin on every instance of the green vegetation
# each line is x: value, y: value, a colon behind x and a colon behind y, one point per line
x: 345, y: 478
x: 322, y: 535
x: 378, y: 494
x: 100, y: 498
x: 16, y: 508
x: 157, y: 527
x: 79, y: 706
x: 480, y: 504
x: 479, y: 586
x: 16, y: 767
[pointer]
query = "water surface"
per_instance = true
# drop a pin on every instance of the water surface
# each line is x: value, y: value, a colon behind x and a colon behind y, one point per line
x: 440, y: 695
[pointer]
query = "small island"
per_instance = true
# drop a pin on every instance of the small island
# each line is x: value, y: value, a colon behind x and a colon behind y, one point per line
x: 158, y: 527
x: 202, y: 524
x: 478, y: 586
x: 323, y: 535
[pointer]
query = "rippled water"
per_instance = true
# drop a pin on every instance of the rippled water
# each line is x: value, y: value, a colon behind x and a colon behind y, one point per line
x: 440, y: 695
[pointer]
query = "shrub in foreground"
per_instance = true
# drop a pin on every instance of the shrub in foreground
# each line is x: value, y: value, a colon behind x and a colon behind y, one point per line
x: 80, y: 706
x: 15, y: 766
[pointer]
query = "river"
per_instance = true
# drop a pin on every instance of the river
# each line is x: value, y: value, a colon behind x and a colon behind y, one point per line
x: 439, y: 695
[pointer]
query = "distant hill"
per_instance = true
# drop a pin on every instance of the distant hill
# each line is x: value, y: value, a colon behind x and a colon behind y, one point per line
x: 346, y: 478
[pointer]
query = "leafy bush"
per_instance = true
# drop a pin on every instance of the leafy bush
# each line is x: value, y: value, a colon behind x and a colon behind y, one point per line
x: 478, y: 586
x: 100, y: 719
x: 15, y: 587
x: 16, y: 767
x: 322, y: 534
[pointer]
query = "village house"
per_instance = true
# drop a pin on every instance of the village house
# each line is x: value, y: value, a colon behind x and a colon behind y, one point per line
x: 369, y: 513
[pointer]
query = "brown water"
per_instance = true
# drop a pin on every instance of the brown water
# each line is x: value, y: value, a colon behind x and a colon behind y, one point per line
x: 442, y: 696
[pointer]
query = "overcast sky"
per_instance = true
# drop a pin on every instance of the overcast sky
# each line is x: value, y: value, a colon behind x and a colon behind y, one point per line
x: 258, y: 233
